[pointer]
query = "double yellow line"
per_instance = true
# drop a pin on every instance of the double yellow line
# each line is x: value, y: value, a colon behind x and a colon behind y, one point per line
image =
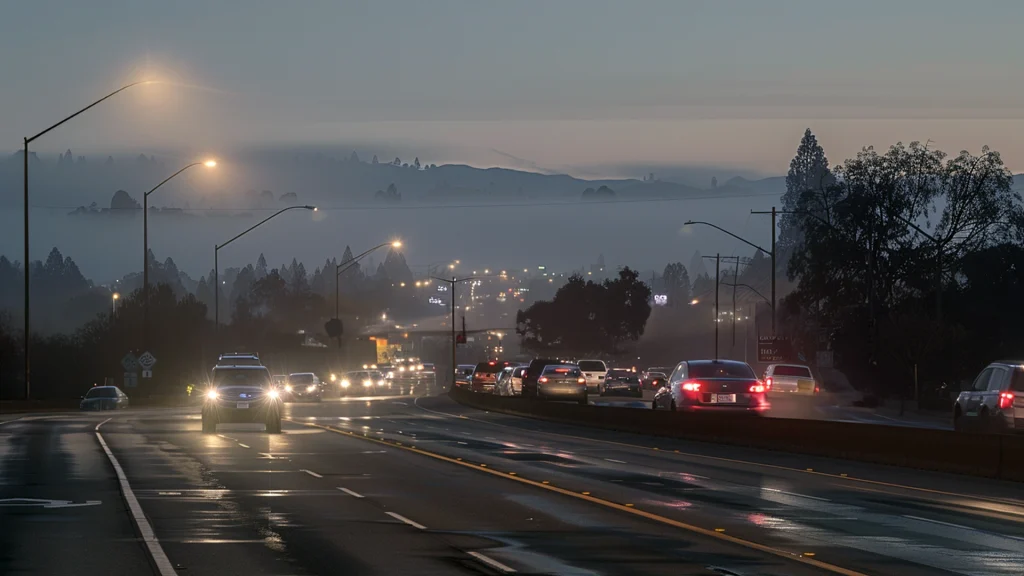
x: 586, y: 496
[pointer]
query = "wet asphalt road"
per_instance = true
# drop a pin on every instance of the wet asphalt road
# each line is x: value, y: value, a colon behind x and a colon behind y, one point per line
x: 323, y: 499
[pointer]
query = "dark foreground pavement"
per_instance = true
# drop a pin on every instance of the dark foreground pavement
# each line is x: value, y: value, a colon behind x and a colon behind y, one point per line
x: 479, y: 494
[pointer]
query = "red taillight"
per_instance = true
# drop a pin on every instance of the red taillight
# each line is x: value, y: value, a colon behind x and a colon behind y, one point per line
x: 1005, y: 400
x: 491, y: 363
x: 542, y: 379
x: 581, y: 380
x: 768, y: 383
x: 757, y: 388
x: 817, y: 389
x: 691, y: 386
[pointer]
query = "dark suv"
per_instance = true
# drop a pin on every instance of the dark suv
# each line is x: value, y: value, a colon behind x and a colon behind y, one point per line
x: 995, y: 402
x: 241, y: 394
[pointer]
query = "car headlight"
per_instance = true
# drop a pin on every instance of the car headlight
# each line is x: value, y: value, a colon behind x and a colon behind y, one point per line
x: 401, y: 368
x: 287, y: 387
x: 272, y: 394
x: 367, y: 382
x: 311, y: 387
x: 420, y: 367
x: 391, y: 374
x: 381, y: 383
x: 345, y: 383
x: 212, y: 394
x: 334, y: 377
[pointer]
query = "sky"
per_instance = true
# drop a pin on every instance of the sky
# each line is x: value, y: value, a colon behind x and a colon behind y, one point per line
x: 564, y: 85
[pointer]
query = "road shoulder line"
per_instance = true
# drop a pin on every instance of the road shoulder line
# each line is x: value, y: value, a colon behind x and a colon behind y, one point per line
x: 145, y: 529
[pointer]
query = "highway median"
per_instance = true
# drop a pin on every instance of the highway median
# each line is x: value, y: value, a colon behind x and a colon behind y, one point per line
x: 998, y: 456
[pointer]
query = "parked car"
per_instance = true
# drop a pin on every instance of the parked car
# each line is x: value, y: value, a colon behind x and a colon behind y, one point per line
x: 712, y: 385
x: 562, y: 381
x: 781, y: 379
x: 463, y: 375
x: 510, y: 381
x: 303, y: 386
x: 621, y: 381
x: 594, y: 371
x: 104, y: 398
x: 995, y: 402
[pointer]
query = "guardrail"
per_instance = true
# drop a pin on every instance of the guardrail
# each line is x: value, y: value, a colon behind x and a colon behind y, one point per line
x: 987, y: 455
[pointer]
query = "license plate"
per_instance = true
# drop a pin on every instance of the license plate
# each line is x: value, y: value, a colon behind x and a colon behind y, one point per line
x: 805, y: 385
x: 242, y: 405
x: 723, y: 398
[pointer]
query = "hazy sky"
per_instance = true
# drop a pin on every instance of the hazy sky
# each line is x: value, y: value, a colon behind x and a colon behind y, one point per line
x: 562, y: 83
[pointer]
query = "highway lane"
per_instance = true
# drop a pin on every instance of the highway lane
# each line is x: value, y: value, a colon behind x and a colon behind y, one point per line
x: 316, y: 501
x: 312, y: 501
x: 60, y: 508
x: 957, y: 525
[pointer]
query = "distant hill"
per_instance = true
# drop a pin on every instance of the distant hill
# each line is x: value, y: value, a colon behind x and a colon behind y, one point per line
x: 265, y: 179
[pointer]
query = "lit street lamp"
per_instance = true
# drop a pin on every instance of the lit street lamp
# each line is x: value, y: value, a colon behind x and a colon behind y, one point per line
x: 113, y: 303
x: 216, y: 265
x: 145, y: 248
x: 28, y: 262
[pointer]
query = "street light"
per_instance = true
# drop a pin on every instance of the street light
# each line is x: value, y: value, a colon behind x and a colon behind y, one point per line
x: 28, y: 263
x: 343, y: 266
x: 113, y: 303
x: 749, y: 243
x: 453, y: 281
x: 216, y: 264
x: 145, y: 247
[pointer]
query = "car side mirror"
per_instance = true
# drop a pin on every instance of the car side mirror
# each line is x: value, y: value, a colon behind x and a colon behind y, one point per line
x: 81, y: 397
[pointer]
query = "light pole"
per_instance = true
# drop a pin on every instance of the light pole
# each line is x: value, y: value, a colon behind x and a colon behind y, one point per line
x: 28, y: 263
x: 749, y: 243
x: 339, y: 268
x: 216, y: 264
x: 451, y: 286
x: 145, y: 248
x: 718, y: 263
x: 113, y: 303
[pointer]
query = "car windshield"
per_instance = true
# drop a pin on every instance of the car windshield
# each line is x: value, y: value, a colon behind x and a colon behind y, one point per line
x: 301, y: 379
x: 591, y: 366
x: 798, y: 371
x: 241, y: 377
x: 102, y: 393
x: 720, y: 370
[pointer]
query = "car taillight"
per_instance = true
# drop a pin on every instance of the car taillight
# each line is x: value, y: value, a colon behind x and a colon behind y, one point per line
x: 817, y: 389
x: 757, y: 388
x: 1005, y: 400
x: 768, y: 383
x: 691, y: 386
x: 581, y: 380
x: 542, y: 379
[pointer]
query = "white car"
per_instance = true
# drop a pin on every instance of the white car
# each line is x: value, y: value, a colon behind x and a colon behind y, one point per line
x: 780, y: 379
x: 594, y: 371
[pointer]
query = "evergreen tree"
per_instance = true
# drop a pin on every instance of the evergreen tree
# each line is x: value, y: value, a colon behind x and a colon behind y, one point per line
x: 808, y: 171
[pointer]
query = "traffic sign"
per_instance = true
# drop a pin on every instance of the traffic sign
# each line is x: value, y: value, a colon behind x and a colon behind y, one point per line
x: 147, y: 373
x: 773, y: 349
x: 131, y: 379
x: 147, y: 360
x: 130, y: 363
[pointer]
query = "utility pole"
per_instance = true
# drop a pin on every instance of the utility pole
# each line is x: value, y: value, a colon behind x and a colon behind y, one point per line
x: 451, y: 286
x: 774, y: 214
x: 718, y: 261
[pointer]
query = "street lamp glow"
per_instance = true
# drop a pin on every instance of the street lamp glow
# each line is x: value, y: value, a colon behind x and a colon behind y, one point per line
x: 694, y: 302
x: 396, y: 244
x: 115, y: 296
x: 210, y: 163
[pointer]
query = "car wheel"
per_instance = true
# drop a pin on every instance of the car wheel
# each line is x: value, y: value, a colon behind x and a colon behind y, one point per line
x: 958, y: 420
x: 654, y: 404
x: 583, y: 399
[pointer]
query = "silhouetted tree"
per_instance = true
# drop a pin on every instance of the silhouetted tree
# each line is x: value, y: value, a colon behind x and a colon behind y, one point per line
x: 375, y: 161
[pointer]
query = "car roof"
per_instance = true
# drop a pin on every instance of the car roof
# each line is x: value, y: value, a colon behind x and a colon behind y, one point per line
x: 103, y: 387
x: 302, y: 374
x: 791, y: 365
x: 561, y: 366
x: 706, y: 362
x: 241, y: 367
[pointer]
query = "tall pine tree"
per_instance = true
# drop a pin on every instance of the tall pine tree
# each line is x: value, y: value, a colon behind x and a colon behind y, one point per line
x: 808, y: 171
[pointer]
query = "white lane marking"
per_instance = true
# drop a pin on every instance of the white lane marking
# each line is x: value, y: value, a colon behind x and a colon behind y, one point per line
x: 227, y: 437
x: 463, y: 443
x: 795, y: 494
x: 243, y: 445
x: 950, y: 524
x: 311, y: 473
x: 163, y: 564
x: 352, y: 493
x: 400, y: 403
x: 492, y: 563
x: 401, y: 518
x: 616, y: 461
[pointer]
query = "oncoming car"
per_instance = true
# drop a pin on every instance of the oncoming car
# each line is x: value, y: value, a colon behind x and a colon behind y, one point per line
x: 241, y: 394
x: 712, y: 385
x: 303, y: 386
x: 362, y: 382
